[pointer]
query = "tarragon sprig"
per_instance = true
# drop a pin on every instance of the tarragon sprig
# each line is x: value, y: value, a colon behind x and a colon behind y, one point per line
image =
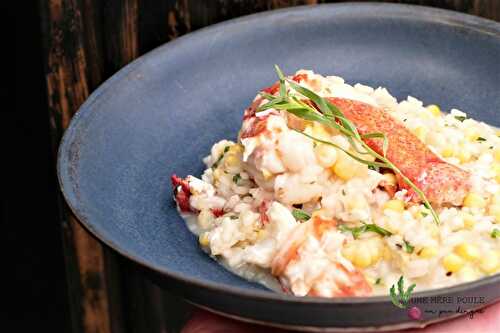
x: 402, y: 297
x: 331, y: 116
x: 357, y: 231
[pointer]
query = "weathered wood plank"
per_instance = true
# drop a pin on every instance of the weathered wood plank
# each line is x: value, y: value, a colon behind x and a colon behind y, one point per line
x: 73, y: 58
x: 120, y: 32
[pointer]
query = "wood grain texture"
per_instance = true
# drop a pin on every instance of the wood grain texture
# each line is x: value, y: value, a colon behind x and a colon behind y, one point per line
x: 74, y: 66
x: 85, y: 42
x: 67, y: 88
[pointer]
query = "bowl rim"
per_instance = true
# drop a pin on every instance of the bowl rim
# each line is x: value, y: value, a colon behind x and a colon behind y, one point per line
x: 415, y: 12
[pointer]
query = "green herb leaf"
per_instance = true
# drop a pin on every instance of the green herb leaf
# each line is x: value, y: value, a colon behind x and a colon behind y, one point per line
x: 283, y: 92
x: 460, y: 118
x: 236, y: 178
x: 395, y: 298
x: 385, y: 144
x: 401, y: 286
x: 378, y: 281
x: 216, y: 164
x: 267, y: 96
x: 373, y: 163
x: 356, y: 231
x: 408, y: 247
x: 495, y: 233
x: 480, y: 139
x: 329, y: 115
x: 270, y: 104
x: 407, y: 294
x: 379, y: 230
x: 402, y: 298
x: 300, y: 215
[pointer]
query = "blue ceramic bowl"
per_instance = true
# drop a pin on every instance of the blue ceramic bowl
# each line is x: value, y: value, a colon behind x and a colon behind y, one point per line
x: 161, y: 114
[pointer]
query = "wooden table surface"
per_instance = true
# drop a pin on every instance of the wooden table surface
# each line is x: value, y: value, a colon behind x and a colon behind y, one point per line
x: 85, y: 42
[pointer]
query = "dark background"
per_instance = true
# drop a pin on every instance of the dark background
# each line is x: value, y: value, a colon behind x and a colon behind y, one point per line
x: 30, y: 215
x: 33, y: 215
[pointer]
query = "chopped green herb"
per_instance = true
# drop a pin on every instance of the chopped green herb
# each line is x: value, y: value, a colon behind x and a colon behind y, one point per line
x: 216, y: 164
x: 236, y: 178
x: 480, y: 139
x: 356, y: 231
x: 408, y: 247
x: 378, y: 281
x: 424, y: 214
x: 329, y: 115
x: 495, y: 233
x: 300, y: 215
x: 460, y: 118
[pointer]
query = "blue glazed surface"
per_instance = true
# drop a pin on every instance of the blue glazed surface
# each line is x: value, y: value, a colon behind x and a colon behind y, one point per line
x: 161, y: 114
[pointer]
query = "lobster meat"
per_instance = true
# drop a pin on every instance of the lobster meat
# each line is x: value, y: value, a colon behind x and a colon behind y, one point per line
x: 441, y: 182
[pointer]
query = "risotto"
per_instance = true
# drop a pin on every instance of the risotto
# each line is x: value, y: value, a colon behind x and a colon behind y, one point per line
x: 338, y: 190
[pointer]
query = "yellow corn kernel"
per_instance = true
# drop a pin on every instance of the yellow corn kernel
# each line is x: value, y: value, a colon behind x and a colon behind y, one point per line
x: 361, y: 170
x: 362, y: 259
x: 348, y: 251
x: 421, y: 133
x: 463, y: 155
x: 496, y: 171
x: 495, y: 199
x: 267, y: 174
x: 236, y: 149
x: 261, y: 234
x: 320, y: 132
x: 395, y: 205
x: 344, y: 167
x: 448, y: 151
x: 452, y: 263
x: 471, y: 134
x: 375, y: 247
x: 326, y: 155
x: 490, y: 261
x: 494, y: 210
x: 231, y: 161
x: 217, y: 174
x: 467, y: 251
x: 205, y: 218
x: 496, y: 153
x: 434, y: 109
x: 203, y: 239
x: 428, y: 252
x: 386, y: 253
x: 390, y: 178
x: 359, y: 254
x: 468, y: 274
x: 469, y: 221
x: 474, y: 200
